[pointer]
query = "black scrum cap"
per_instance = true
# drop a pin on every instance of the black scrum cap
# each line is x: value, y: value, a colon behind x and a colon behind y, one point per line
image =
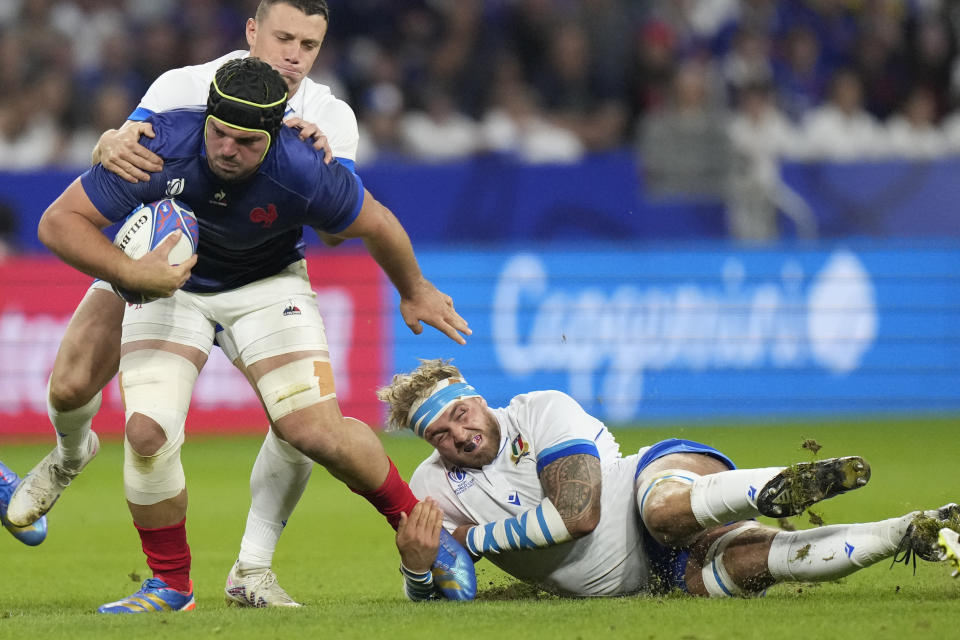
x: 247, y: 93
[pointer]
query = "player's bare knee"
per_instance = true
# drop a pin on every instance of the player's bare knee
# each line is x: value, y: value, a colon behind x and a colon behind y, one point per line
x: 144, y: 435
x: 663, y: 498
x: 660, y: 517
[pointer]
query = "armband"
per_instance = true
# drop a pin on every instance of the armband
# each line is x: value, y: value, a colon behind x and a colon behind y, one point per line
x: 418, y: 586
x: 533, y: 529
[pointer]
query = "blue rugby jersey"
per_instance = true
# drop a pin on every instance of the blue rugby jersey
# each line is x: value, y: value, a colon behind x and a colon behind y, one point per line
x: 251, y: 229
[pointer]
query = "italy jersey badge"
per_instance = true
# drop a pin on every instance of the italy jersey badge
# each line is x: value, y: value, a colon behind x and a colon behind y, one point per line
x: 518, y: 449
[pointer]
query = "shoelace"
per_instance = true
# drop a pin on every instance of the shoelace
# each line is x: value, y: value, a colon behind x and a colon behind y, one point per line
x: 263, y: 582
x: 905, y: 552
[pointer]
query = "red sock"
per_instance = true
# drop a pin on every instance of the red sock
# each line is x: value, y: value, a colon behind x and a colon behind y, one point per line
x: 392, y: 498
x: 168, y: 554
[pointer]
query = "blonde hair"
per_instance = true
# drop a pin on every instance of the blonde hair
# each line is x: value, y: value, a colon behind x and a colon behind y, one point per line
x: 407, y: 388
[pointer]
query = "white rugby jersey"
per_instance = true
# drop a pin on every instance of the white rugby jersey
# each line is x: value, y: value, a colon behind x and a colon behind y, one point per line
x: 534, y: 427
x: 313, y: 102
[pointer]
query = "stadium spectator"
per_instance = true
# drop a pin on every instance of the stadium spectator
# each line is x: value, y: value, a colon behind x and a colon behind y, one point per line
x: 540, y: 489
x: 27, y: 140
x: 748, y: 63
x: 439, y: 130
x: 111, y: 104
x: 841, y: 129
x: 515, y: 123
x: 913, y: 132
x: 760, y: 136
x: 800, y: 74
x: 694, y: 121
x: 287, y: 358
x: 653, y: 64
x: 574, y: 96
x: 379, y: 130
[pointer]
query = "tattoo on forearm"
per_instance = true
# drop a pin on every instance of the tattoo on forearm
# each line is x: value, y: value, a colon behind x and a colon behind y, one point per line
x: 573, y: 485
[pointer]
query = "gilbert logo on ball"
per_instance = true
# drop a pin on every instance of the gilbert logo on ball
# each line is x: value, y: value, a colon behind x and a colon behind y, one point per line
x: 147, y: 227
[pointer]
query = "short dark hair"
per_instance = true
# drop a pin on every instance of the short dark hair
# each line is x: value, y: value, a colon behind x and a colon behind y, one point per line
x: 248, y: 93
x: 309, y: 7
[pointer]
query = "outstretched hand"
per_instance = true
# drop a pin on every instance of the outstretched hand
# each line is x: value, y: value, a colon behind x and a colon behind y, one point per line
x: 154, y: 276
x: 418, y: 536
x: 430, y: 305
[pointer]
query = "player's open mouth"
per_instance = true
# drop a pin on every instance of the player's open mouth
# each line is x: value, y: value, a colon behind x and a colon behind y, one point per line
x: 473, y: 444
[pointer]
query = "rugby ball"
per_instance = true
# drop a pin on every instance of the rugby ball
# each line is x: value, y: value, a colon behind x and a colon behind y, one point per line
x: 148, y: 226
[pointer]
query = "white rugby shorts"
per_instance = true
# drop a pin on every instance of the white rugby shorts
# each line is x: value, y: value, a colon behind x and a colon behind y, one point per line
x: 268, y: 317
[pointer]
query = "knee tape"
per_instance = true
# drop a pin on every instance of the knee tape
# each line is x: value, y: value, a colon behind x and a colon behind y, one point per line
x: 716, y: 579
x: 296, y: 385
x: 151, y: 479
x: 156, y: 384
x: 673, y: 475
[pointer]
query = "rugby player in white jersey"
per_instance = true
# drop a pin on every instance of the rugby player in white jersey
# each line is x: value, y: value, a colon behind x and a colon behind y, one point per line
x: 287, y: 34
x: 541, y: 490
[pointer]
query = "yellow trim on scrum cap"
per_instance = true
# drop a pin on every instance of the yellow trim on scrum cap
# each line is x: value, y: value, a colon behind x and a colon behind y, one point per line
x: 235, y: 126
x: 246, y: 102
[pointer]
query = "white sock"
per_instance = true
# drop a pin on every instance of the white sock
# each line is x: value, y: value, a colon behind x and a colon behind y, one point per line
x: 728, y: 496
x: 828, y: 553
x: 73, y: 426
x: 279, y: 476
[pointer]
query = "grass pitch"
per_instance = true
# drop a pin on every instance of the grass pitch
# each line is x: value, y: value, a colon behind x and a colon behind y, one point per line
x: 337, y: 555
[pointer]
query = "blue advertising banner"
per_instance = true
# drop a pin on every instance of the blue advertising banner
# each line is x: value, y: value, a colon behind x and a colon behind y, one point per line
x: 706, y: 331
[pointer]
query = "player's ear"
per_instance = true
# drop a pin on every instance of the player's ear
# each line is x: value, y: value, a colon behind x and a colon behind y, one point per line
x: 251, y: 32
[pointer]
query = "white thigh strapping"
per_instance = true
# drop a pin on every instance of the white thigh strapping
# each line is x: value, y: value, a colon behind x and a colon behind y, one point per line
x: 269, y: 317
x: 296, y: 385
x: 180, y: 318
x: 156, y: 384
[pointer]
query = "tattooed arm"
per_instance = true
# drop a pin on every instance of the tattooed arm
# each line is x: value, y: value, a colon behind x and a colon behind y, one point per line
x: 573, y: 485
x: 570, y: 509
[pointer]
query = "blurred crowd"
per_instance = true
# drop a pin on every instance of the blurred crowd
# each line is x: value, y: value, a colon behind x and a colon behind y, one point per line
x: 689, y: 84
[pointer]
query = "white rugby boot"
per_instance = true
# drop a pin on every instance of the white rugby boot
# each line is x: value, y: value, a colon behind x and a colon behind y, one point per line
x: 949, y: 542
x: 40, y: 489
x: 256, y: 588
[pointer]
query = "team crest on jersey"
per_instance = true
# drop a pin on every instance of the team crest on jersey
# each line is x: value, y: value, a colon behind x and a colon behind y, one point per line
x: 459, y: 479
x: 519, y: 449
x: 175, y: 186
x: 265, y: 217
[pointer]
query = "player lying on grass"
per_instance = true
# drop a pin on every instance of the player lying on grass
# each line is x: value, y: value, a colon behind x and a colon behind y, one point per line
x: 541, y: 490
x: 248, y: 279
x: 287, y: 34
x: 32, y: 534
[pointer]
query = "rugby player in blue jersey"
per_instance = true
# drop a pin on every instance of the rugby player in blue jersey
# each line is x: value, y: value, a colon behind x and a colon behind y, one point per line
x: 287, y: 34
x: 229, y: 162
x: 541, y: 490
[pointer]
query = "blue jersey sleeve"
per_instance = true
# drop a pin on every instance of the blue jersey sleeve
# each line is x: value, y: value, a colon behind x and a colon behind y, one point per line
x: 114, y: 197
x: 336, y: 199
